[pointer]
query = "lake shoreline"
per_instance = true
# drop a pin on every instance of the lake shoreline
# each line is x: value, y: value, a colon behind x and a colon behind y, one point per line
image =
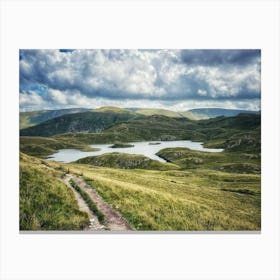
x: 144, y: 148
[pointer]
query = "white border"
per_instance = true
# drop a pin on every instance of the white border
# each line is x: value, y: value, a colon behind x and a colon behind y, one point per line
x: 156, y: 24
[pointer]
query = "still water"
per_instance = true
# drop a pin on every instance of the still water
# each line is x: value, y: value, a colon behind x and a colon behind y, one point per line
x: 141, y: 148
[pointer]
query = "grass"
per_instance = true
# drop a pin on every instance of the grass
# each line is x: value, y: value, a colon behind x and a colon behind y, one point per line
x: 43, y: 147
x: 126, y: 161
x: 45, y: 202
x: 234, y: 134
x: 86, y: 121
x: 92, y: 206
x: 179, y: 199
x: 121, y: 145
x: 233, y: 162
x: 194, y: 191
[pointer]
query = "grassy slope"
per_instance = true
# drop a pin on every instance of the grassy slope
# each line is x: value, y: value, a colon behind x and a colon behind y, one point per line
x: 33, y: 118
x: 187, y: 199
x: 203, y: 195
x: 162, y: 112
x: 238, y: 133
x: 28, y: 119
x: 206, y: 113
x: 180, y: 199
x: 42, y: 147
x: 45, y: 202
x: 234, y: 162
x: 78, y: 122
x: 111, y: 109
x: 127, y: 161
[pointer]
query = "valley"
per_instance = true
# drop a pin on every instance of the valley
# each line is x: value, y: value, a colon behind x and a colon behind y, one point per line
x: 180, y: 189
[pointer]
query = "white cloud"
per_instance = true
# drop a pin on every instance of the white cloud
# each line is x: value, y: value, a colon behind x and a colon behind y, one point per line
x: 202, y: 92
x: 83, y: 77
x: 31, y: 100
x: 58, y: 96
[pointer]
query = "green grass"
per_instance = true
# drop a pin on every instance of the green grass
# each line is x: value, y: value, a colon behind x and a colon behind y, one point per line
x: 121, y: 145
x: 28, y: 119
x: 126, y: 161
x: 45, y: 202
x: 194, y: 191
x: 185, y: 199
x: 77, y: 122
x: 233, y: 162
x: 43, y: 147
x: 179, y: 199
x: 162, y: 112
x: 92, y: 206
x: 234, y: 134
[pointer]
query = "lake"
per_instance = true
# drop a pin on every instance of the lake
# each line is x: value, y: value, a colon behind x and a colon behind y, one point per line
x: 141, y: 148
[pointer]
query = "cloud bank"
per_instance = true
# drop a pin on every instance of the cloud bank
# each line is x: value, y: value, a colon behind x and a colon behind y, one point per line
x: 171, y: 79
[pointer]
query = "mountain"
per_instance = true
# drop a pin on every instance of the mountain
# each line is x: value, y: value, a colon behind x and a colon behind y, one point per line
x: 111, y: 109
x: 78, y: 122
x: 206, y: 113
x: 109, y: 127
x: 193, y: 114
x: 162, y: 112
x: 163, y: 128
x: 28, y: 119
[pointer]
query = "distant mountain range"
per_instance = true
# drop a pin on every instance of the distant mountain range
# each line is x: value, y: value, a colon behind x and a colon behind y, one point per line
x: 207, y: 113
x: 29, y: 119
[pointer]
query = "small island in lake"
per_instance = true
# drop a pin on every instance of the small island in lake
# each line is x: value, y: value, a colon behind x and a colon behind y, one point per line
x: 121, y: 145
x: 154, y: 143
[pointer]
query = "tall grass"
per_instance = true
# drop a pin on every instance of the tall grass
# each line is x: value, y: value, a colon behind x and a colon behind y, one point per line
x: 180, y: 200
x: 187, y: 199
x: 46, y: 203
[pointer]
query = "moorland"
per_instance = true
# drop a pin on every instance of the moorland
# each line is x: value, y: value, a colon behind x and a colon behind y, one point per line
x: 191, y: 191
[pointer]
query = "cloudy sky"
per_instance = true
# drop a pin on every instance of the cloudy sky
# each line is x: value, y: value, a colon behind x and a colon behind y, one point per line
x: 171, y: 79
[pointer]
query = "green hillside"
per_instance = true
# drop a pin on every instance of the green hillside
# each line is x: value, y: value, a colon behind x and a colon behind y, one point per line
x: 161, y: 112
x: 126, y: 161
x: 237, y: 162
x: 27, y: 119
x: 79, y: 122
x: 33, y: 118
x: 193, y: 114
x: 196, y: 199
x: 193, y: 190
x: 185, y: 199
x: 45, y: 202
x: 111, y: 109
x: 207, y: 113
x: 239, y: 133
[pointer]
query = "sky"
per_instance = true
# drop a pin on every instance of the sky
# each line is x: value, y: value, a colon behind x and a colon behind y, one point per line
x: 171, y: 79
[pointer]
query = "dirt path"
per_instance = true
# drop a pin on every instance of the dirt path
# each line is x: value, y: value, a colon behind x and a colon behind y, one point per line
x: 94, y: 223
x: 112, y: 219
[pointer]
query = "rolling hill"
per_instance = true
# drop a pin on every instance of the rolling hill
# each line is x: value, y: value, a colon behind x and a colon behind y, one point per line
x: 207, y: 113
x: 28, y: 119
x: 239, y: 133
x: 194, y: 190
x: 79, y: 122
x: 193, y: 114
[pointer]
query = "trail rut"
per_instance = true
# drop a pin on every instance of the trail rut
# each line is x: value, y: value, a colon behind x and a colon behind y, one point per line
x: 94, y: 223
x: 112, y: 219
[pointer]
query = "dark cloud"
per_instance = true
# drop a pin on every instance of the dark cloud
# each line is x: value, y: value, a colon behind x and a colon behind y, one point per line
x: 66, y: 50
x: 220, y: 57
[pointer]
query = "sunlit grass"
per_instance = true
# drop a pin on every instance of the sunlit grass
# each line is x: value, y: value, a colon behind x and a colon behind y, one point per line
x: 45, y: 202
